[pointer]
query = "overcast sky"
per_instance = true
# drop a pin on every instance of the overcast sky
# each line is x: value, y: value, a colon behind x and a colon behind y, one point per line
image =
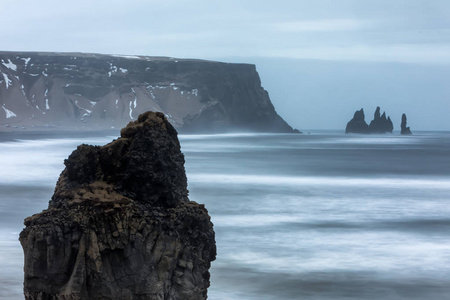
x: 352, y: 31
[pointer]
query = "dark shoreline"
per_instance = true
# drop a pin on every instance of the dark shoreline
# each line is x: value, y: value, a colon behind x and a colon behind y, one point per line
x: 37, y: 135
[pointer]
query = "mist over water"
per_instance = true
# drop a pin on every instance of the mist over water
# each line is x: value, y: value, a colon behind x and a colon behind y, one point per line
x: 320, y: 216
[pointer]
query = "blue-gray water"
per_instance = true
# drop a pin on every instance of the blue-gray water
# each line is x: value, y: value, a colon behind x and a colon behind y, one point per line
x: 321, y: 216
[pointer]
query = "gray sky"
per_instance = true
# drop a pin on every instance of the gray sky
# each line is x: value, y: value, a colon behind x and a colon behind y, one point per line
x: 347, y: 34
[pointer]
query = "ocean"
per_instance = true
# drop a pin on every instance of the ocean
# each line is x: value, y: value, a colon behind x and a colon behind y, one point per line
x: 323, y: 216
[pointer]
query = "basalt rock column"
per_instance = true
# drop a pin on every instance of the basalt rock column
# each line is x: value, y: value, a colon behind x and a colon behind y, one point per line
x: 404, y: 129
x: 380, y: 124
x: 357, y: 124
x: 120, y: 224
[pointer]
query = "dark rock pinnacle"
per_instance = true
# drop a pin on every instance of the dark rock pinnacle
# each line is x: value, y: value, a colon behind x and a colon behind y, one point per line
x: 120, y: 224
x: 404, y: 130
x: 379, y: 124
x: 357, y: 124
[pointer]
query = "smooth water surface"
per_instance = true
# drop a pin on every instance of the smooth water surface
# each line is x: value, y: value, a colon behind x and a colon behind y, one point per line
x: 320, y: 216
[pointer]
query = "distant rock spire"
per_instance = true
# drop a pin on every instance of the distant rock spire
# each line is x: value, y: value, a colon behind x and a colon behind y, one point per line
x: 376, y: 115
x: 357, y: 124
x: 379, y: 124
x: 404, y: 130
x: 390, y: 125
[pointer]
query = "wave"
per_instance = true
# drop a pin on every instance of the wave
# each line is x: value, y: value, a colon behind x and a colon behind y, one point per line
x: 37, y: 162
x: 435, y: 183
x: 222, y: 135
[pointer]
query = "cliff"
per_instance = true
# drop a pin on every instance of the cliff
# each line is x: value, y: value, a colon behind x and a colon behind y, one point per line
x: 67, y: 91
x: 120, y: 224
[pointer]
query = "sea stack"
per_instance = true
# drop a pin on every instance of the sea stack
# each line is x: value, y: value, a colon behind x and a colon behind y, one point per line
x: 404, y: 130
x: 358, y: 123
x: 380, y: 124
x: 120, y: 224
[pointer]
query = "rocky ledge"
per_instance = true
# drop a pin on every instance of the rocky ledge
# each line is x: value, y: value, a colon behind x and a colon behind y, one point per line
x: 120, y: 224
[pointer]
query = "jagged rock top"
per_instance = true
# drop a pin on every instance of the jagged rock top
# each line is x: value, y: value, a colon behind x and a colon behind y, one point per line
x: 357, y: 124
x: 405, y: 130
x: 145, y: 164
x: 379, y: 124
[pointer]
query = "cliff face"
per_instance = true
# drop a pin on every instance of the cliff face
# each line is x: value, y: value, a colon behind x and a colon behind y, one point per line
x: 120, y: 224
x: 93, y: 91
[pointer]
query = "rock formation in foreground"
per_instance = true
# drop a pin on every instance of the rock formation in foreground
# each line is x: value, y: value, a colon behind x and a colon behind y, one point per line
x: 80, y: 91
x: 120, y: 224
x: 379, y: 124
x: 404, y: 129
x: 357, y: 124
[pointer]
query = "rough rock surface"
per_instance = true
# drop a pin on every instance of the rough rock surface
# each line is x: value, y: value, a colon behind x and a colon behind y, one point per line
x: 380, y: 124
x: 76, y: 91
x: 120, y: 224
x: 357, y: 124
x: 404, y: 129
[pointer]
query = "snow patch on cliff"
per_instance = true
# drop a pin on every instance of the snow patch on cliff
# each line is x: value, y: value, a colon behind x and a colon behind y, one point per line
x: 156, y: 87
x: 8, y: 81
x: 112, y: 69
x: 10, y: 65
x: 9, y: 114
x: 152, y: 95
x: 169, y: 117
x: 135, y: 98
x: 26, y: 60
x: 131, y: 111
x: 127, y: 56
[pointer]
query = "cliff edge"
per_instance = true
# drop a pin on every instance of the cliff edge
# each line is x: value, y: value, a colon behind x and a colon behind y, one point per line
x: 80, y: 91
x: 120, y: 224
